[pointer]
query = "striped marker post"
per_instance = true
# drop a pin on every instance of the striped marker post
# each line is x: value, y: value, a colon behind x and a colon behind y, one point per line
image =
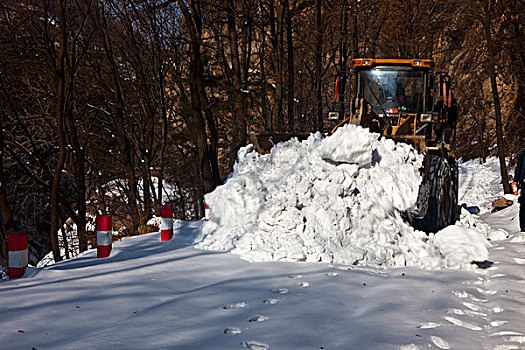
x: 18, y: 256
x: 166, y: 224
x: 104, y: 236
x: 206, y: 212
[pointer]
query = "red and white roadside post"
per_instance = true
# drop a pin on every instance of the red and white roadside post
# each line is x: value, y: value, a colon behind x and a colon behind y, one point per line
x: 166, y: 223
x: 104, y: 235
x: 206, y: 212
x: 515, y: 188
x: 18, y: 254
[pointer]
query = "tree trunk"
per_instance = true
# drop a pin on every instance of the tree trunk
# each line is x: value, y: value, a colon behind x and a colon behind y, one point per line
x: 164, y: 140
x: 265, y: 112
x: 119, y: 120
x: 64, y: 239
x: 290, y: 93
x: 78, y: 164
x: 495, y: 96
x: 343, y: 55
x: 146, y: 193
x: 278, y: 50
x: 80, y: 219
x: 202, y: 116
x: 125, y: 149
x: 239, y: 100
x: 60, y: 111
x: 98, y: 18
x: 355, y: 37
x: 318, y: 64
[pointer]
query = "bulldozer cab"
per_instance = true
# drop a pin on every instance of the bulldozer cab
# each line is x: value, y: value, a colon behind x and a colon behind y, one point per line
x: 393, y: 89
x: 396, y: 98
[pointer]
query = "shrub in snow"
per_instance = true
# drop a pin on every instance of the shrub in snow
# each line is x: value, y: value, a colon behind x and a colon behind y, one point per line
x: 337, y: 199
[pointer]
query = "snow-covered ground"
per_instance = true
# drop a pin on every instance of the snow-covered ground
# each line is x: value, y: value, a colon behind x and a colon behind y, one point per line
x: 171, y: 295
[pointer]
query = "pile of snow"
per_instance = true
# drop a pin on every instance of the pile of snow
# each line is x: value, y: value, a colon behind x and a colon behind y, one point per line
x: 460, y: 244
x: 338, y: 199
x: 474, y: 222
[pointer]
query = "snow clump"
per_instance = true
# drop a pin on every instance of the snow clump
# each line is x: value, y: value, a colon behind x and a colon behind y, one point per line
x: 337, y: 199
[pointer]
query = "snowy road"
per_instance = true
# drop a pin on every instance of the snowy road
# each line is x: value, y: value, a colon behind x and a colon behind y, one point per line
x: 153, y: 295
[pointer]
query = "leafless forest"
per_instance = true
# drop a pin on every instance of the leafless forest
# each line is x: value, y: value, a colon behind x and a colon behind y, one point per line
x: 105, y: 102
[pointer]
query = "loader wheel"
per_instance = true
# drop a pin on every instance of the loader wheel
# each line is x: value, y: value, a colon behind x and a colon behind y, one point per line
x: 453, y: 191
x: 440, y: 206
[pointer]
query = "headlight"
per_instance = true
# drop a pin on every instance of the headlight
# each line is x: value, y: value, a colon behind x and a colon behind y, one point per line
x: 333, y: 115
x: 425, y: 117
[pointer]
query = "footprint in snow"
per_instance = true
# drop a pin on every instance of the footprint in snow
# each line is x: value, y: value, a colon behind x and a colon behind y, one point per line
x: 519, y: 261
x: 497, y: 323
x: 460, y: 323
x: 344, y: 268
x: 232, y: 330
x: 456, y: 312
x: 504, y: 347
x: 487, y: 292
x: 516, y: 338
x: 235, y: 306
x: 272, y: 301
x: 428, y: 325
x: 440, y: 343
x: 258, y: 318
x: 472, y: 306
x: 461, y: 294
x: 497, y: 309
x: 331, y: 274
x: 478, y: 300
x: 254, y: 345
x: 303, y: 284
x: 504, y: 333
x: 476, y: 313
x: 464, y: 295
x: 408, y: 347
x: 466, y: 312
x: 280, y: 291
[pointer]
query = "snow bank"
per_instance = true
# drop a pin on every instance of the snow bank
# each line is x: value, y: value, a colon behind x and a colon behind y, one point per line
x: 337, y: 199
x: 474, y: 222
x: 460, y: 244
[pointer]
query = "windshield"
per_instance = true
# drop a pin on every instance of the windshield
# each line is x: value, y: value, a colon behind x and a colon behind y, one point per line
x: 392, y: 88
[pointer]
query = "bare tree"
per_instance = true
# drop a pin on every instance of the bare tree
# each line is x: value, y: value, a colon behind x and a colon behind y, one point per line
x: 203, y: 122
x: 60, y: 111
x: 486, y: 22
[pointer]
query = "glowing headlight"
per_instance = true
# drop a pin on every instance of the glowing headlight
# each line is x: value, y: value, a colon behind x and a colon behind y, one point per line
x: 333, y: 115
x: 425, y: 117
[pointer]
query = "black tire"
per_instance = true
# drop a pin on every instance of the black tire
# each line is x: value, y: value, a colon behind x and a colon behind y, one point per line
x: 453, y: 191
x: 440, y: 206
